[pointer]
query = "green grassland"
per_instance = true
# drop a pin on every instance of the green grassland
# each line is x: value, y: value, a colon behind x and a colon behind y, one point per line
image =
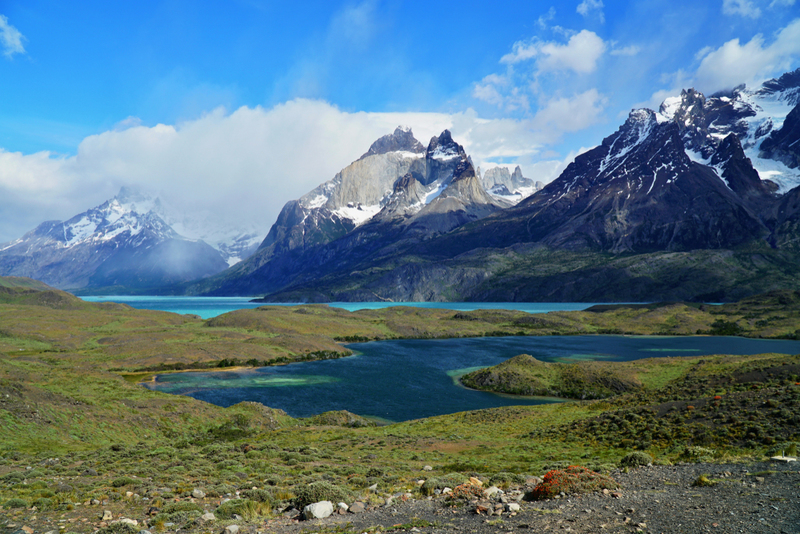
x: 68, y: 373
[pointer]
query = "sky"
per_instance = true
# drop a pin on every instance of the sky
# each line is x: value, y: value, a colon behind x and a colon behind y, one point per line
x: 232, y: 108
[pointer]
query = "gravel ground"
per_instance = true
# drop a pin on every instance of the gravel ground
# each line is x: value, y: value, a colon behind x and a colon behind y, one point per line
x: 760, y: 497
x: 752, y: 498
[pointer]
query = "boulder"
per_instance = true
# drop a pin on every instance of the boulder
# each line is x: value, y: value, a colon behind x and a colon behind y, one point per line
x: 318, y: 510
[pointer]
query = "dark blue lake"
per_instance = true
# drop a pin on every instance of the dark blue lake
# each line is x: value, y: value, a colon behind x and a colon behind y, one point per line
x: 411, y: 379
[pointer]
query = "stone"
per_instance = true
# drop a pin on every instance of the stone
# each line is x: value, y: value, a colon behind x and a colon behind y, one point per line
x: 318, y: 510
x: 513, y: 507
x: 427, y: 468
x: 231, y: 529
x: 27, y: 529
x: 491, y: 491
x: 198, y: 494
x: 125, y: 520
x: 341, y: 508
x: 144, y: 532
x: 208, y: 516
x: 475, y: 482
x: 357, y: 507
x: 373, y: 488
x: 107, y: 515
x: 446, y: 491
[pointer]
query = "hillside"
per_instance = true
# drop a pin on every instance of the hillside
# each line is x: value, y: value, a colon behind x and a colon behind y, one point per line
x: 97, y: 445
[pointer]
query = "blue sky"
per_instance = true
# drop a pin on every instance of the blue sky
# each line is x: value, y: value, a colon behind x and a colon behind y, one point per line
x: 237, y: 106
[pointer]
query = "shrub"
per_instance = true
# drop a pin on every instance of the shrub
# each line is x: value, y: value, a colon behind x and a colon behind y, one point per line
x: 118, y: 528
x: 15, y: 503
x: 227, y: 509
x: 697, y: 454
x: 123, y: 481
x: 258, y: 495
x: 447, y: 481
x: 320, y: 491
x: 703, y: 481
x: 181, y: 507
x: 573, y: 479
x: 636, y: 459
x: 466, y: 492
x: 503, y: 479
x: 43, y: 503
x: 13, y: 477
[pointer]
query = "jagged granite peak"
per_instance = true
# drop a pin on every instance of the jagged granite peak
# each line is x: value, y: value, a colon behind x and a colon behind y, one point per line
x: 784, y: 144
x: 407, y: 199
x: 463, y: 200
x: 401, y: 140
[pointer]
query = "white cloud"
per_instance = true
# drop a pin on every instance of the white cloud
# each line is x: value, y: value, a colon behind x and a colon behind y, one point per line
x: 545, y: 19
x: 586, y: 7
x: 10, y: 38
x: 580, y: 54
x: 744, y: 8
x: 239, y: 167
x: 626, y: 51
x: 734, y: 63
x: 565, y: 115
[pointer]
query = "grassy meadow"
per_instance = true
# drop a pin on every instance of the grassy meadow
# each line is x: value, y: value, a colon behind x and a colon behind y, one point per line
x: 71, y: 409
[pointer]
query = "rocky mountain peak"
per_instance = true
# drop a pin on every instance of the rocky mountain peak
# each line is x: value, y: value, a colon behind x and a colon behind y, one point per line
x: 401, y: 140
x: 787, y: 86
x: 784, y: 144
x: 444, y: 148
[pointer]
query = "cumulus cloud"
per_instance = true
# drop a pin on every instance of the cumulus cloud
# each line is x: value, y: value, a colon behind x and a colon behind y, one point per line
x: 745, y: 8
x: 586, y: 8
x: 734, y: 63
x: 564, y: 115
x: 580, y: 54
x: 239, y: 167
x: 10, y: 38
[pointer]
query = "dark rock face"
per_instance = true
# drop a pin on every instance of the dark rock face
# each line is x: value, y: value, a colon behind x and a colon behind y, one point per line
x: 638, y: 192
x: 401, y: 140
x: 738, y: 171
x: 784, y: 145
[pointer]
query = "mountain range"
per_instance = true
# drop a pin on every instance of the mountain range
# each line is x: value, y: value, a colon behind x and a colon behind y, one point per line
x: 698, y: 200
x: 128, y: 243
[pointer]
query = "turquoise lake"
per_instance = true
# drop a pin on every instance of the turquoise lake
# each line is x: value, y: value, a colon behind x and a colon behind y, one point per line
x: 410, y: 379
x: 207, y: 307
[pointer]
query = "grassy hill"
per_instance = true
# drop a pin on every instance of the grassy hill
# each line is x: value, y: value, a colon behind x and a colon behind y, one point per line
x: 68, y: 390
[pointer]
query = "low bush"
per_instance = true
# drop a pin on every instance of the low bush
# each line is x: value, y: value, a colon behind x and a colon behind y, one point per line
x: 574, y: 479
x: 123, y: 481
x: 636, y: 459
x: 447, y: 481
x: 504, y: 480
x: 467, y: 492
x: 258, y: 495
x: 15, y: 503
x: 320, y: 491
x: 118, y: 528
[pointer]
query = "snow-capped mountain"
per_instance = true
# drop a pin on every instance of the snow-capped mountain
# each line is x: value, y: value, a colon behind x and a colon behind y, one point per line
x: 756, y: 117
x: 701, y: 178
x: 512, y: 187
x: 398, y: 187
x: 122, y: 242
x: 368, y: 188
